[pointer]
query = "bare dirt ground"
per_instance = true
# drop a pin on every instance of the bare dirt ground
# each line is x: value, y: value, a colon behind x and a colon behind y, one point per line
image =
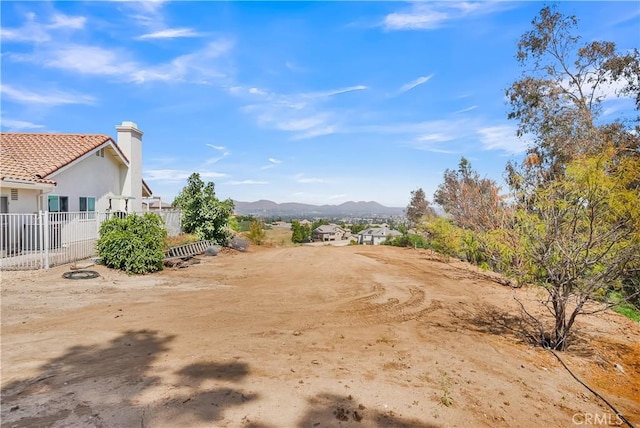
x: 300, y: 337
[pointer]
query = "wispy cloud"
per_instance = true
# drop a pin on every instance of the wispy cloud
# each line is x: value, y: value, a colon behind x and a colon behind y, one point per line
x: 419, y: 81
x: 36, y: 32
x: 294, y: 67
x: 429, y: 16
x: 222, y: 153
x: 300, y: 178
x: 19, y: 125
x: 171, y: 33
x: 332, y: 92
x: 172, y: 175
x: 59, y: 20
x: 502, y: 138
x: 195, y: 67
x: 272, y: 163
x: 49, y: 97
x: 464, y: 110
x: 303, y: 114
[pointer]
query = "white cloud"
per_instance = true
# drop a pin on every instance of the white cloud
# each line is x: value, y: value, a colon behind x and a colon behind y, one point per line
x: 257, y: 91
x: 419, y: 81
x: 272, y: 163
x: 464, y: 110
x: 177, y: 174
x: 301, y: 114
x: 19, y: 125
x: 223, y: 154
x: 195, y: 67
x: 65, y: 21
x: 414, y: 20
x: 300, y: 178
x: 429, y: 16
x: 36, y: 32
x: 316, y: 132
x: 436, y: 137
x: 49, y: 97
x: 332, y: 92
x: 86, y: 59
x: 502, y: 138
x: 302, y: 124
x: 171, y: 33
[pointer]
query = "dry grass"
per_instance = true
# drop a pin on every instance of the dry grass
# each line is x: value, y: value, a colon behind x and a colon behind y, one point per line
x: 278, y: 237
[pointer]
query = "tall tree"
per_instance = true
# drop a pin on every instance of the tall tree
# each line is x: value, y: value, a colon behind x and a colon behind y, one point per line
x: 418, y: 207
x: 300, y: 232
x: 576, y: 193
x: 203, y: 214
x: 581, y: 235
x: 472, y: 202
x: 558, y: 100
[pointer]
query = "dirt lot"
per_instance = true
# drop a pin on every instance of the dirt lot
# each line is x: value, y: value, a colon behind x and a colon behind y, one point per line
x: 300, y: 337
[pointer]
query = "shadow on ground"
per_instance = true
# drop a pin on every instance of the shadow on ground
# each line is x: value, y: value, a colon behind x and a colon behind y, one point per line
x: 107, y: 385
x: 521, y: 327
x: 330, y: 410
x: 104, y: 385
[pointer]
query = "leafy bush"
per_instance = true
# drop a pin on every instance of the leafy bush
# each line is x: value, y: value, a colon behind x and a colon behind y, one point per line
x: 407, y: 240
x: 629, y: 311
x: 133, y: 244
x: 256, y: 233
x: 300, y: 232
x: 446, y: 238
x: 203, y: 214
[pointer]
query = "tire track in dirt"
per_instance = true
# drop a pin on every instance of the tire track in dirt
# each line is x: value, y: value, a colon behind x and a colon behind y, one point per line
x: 378, y: 308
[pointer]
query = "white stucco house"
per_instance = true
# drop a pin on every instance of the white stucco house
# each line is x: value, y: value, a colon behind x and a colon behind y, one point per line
x: 376, y: 235
x: 72, y: 172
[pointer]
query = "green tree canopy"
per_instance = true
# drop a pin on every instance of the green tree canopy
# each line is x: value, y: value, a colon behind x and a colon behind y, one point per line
x: 300, y: 232
x: 203, y: 214
x: 581, y: 234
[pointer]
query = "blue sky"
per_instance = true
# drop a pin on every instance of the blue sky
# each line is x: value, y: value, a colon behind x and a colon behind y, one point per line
x: 316, y: 102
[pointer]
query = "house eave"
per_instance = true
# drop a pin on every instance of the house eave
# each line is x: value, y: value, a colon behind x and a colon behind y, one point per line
x: 15, y: 183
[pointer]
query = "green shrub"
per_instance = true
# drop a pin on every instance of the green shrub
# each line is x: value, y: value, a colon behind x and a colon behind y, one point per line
x: 133, y: 244
x: 407, y: 240
x: 256, y: 233
x: 446, y: 238
x: 628, y: 310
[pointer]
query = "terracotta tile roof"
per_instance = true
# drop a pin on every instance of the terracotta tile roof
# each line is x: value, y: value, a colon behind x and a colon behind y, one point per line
x: 32, y: 157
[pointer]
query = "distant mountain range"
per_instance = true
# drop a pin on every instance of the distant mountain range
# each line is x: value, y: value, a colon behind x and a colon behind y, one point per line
x: 271, y: 209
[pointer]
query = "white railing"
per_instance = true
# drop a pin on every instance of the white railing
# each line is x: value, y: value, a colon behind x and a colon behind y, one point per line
x: 42, y: 240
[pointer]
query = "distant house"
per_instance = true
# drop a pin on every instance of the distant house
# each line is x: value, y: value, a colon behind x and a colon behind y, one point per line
x: 329, y: 232
x: 376, y: 235
x: 72, y: 172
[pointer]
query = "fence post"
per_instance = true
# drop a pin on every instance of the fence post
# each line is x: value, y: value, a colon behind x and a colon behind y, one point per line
x: 45, y: 233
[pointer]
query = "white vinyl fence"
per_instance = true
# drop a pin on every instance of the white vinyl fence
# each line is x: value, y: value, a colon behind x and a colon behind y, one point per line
x: 42, y: 240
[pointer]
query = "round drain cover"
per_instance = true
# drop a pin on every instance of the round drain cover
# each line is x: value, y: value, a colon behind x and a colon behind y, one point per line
x: 80, y: 274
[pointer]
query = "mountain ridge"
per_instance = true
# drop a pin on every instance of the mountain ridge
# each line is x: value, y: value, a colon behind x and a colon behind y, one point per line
x: 267, y: 207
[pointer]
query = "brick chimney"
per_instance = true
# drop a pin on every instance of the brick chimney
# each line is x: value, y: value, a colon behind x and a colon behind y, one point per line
x: 130, y: 142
